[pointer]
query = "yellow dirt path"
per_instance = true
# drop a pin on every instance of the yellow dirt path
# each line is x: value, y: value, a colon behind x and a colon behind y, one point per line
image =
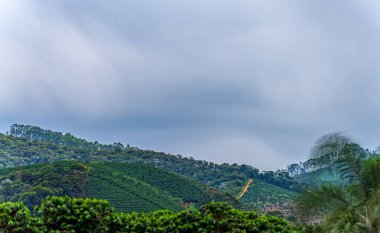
x: 246, y: 188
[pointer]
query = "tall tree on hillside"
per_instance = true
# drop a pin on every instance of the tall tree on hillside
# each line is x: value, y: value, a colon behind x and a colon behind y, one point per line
x: 329, y: 144
x: 354, y: 205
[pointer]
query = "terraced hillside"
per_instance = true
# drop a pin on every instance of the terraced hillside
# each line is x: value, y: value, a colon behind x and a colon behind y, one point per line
x: 128, y: 187
x: 127, y: 178
x: 264, y: 197
x: 128, y: 194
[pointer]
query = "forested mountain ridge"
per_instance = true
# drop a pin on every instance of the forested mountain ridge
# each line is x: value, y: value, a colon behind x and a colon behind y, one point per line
x: 271, y: 191
x: 29, y: 144
x: 26, y: 145
x: 45, y: 135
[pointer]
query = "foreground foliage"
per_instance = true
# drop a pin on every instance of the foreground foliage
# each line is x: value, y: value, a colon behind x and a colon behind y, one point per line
x: 353, y: 204
x: 64, y: 214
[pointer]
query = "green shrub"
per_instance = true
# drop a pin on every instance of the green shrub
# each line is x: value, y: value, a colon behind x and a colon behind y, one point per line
x: 16, y: 217
x: 79, y: 215
x: 64, y: 214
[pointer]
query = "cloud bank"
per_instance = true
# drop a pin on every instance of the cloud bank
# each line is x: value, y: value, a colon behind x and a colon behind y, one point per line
x: 252, y: 82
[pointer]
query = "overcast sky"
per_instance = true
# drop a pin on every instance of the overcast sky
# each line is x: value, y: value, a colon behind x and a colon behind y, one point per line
x: 253, y: 82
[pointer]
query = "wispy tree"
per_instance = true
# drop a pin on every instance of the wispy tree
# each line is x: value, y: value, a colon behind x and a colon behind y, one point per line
x: 354, y: 204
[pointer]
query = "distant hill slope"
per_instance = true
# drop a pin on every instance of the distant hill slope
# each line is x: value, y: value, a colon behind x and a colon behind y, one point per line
x: 127, y: 193
x: 267, y: 197
x: 30, y: 184
x: 29, y: 144
x: 45, y: 135
x: 128, y: 187
x: 25, y: 145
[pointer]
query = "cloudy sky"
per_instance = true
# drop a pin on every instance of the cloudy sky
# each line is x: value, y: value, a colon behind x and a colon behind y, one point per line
x: 246, y: 81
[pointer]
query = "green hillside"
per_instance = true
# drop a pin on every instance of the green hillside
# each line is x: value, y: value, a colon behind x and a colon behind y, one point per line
x: 127, y: 178
x: 29, y: 144
x: 30, y: 184
x: 128, y: 187
x: 265, y: 197
x: 25, y: 145
x: 128, y: 194
x: 184, y: 188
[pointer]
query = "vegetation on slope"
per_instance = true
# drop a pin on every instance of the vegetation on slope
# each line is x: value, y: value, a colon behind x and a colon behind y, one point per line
x: 30, y: 184
x: 128, y: 187
x: 37, y: 134
x: 265, y: 197
x: 181, y: 187
x: 128, y: 194
x: 28, y: 144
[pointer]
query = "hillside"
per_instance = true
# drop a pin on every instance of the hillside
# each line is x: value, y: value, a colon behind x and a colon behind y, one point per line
x: 25, y: 145
x: 29, y: 144
x: 30, y: 184
x: 265, y: 197
x: 128, y: 187
x: 126, y: 193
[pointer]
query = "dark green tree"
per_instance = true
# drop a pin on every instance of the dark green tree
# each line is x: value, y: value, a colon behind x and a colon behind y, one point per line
x: 17, y: 218
x: 64, y: 214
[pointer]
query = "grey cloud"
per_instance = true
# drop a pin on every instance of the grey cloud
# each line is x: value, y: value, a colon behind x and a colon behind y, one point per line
x: 216, y: 80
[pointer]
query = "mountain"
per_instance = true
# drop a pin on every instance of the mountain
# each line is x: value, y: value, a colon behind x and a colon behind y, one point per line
x: 26, y: 145
x: 128, y: 187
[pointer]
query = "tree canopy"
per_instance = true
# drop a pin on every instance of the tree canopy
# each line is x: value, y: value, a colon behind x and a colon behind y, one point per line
x: 64, y: 214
